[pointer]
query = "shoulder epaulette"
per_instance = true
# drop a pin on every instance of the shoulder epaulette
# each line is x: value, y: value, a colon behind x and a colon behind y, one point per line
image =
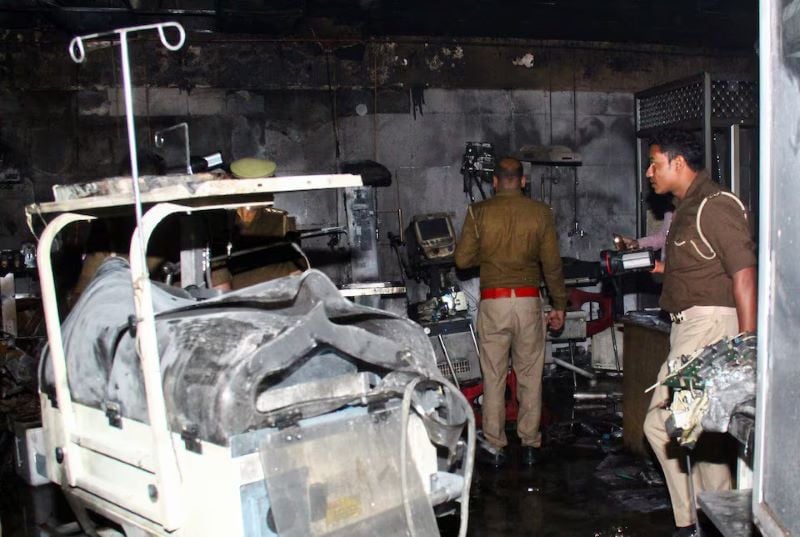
x: 700, y: 230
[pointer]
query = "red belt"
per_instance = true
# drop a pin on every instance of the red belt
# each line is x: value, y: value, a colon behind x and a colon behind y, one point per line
x: 508, y: 292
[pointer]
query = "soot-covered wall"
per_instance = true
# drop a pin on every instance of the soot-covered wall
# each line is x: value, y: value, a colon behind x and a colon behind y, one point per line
x: 409, y: 104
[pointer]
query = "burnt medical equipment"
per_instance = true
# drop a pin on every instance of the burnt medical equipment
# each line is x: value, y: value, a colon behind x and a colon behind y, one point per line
x: 246, y: 414
x: 431, y: 239
x: 430, y: 245
x: 254, y: 386
x: 360, y: 214
x: 363, y: 277
x: 477, y: 167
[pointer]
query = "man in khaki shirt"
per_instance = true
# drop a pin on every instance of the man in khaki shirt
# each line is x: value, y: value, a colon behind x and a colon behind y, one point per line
x: 709, y: 291
x: 509, y: 237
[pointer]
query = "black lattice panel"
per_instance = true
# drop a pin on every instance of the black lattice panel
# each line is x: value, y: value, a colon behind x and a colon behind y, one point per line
x: 734, y: 99
x: 675, y: 105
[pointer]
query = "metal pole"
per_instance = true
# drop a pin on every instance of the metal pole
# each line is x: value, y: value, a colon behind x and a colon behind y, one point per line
x: 707, y: 130
x: 158, y: 139
x: 691, y: 493
x: 72, y: 462
x: 614, y: 345
x: 770, y: 60
x: 449, y: 362
x: 128, y: 94
x: 735, y: 150
x: 640, y: 225
x: 474, y: 340
x: 589, y: 396
x: 574, y: 368
x: 167, y: 474
x: 77, y: 52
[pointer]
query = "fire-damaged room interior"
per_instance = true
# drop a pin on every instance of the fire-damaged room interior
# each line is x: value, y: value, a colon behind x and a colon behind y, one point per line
x: 344, y: 268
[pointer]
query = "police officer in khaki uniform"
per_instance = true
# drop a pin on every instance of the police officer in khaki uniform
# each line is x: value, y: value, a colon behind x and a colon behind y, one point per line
x: 509, y: 237
x: 710, y: 292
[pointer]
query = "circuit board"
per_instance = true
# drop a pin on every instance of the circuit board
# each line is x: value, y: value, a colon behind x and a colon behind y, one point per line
x: 690, y: 371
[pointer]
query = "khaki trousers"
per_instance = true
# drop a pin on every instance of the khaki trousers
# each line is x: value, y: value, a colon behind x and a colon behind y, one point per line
x: 710, y: 471
x: 516, y: 325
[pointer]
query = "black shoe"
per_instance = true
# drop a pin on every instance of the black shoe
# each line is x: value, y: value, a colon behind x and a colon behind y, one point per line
x: 686, y: 531
x: 491, y: 457
x: 530, y: 455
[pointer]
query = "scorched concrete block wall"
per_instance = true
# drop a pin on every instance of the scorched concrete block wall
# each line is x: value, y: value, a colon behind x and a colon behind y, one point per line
x: 409, y: 104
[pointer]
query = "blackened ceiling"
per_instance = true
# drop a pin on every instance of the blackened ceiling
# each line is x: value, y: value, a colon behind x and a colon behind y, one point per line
x: 707, y: 23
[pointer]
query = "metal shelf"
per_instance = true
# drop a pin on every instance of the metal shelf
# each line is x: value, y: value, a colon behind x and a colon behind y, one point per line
x: 189, y: 190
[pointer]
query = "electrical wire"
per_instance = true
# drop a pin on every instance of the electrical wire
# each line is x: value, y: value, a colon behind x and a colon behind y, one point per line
x: 334, y: 111
x: 399, y: 263
x: 469, y: 457
x: 302, y: 253
x: 405, y: 418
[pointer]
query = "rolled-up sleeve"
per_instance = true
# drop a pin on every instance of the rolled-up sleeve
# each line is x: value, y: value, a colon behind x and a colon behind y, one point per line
x: 550, y: 257
x: 468, y: 246
x: 657, y: 240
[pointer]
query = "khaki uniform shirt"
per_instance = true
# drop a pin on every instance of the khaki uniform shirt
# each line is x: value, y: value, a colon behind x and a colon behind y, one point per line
x: 509, y: 237
x: 690, y: 277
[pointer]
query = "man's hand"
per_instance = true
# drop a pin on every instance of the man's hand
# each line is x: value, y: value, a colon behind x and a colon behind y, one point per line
x: 658, y: 268
x: 622, y: 242
x: 630, y: 244
x: 555, y: 320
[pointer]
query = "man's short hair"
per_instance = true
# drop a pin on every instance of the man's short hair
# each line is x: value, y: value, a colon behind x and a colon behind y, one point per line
x: 508, y: 169
x: 675, y: 142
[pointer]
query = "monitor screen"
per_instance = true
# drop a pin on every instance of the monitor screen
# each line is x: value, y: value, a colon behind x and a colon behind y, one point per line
x: 433, y: 228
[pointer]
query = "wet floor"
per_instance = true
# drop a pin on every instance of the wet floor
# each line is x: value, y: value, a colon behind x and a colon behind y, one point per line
x: 566, y: 495
x: 586, y: 485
